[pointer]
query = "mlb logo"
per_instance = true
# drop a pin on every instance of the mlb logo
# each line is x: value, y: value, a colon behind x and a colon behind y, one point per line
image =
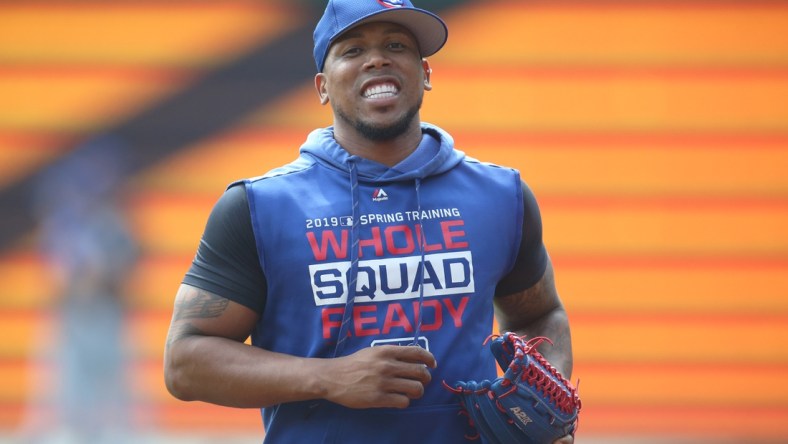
x: 345, y: 221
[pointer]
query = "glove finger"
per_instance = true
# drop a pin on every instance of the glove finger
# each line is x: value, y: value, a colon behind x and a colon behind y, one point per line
x: 503, y: 351
x: 498, y: 421
x: 478, y: 421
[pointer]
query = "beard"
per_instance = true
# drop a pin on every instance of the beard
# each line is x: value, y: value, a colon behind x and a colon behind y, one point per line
x: 381, y: 133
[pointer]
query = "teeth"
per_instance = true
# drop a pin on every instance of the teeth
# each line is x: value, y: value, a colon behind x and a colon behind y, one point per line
x: 381, y: 91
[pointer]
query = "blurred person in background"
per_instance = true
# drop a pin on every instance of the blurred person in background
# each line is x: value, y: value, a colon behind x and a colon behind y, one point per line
x: 88, y: 249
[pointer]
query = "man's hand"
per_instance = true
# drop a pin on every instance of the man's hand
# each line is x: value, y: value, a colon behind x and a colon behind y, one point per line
x: 384, y: 376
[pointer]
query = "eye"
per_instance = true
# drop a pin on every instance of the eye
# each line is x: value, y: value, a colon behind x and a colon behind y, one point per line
x: 351, y: 51
x: 397, y: 46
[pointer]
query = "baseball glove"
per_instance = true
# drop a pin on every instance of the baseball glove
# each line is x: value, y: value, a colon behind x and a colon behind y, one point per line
x: 531, y: 403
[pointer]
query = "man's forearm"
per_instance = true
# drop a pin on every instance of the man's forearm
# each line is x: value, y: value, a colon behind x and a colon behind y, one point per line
x: 554, y: 326
x: 226, y: 372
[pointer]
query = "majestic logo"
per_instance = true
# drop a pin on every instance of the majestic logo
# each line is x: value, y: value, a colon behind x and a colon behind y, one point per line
x: 392, y: 3
x: 379, y: 195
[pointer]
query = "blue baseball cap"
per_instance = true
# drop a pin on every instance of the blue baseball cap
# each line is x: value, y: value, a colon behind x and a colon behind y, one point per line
x: 341, y: 15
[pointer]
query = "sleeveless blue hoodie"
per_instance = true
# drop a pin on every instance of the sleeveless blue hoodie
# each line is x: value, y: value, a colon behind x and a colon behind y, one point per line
x: 382, y: 255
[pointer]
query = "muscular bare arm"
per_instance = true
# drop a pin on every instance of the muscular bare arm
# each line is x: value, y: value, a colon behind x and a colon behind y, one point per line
x: 206, y: 359
x: 537, y: 311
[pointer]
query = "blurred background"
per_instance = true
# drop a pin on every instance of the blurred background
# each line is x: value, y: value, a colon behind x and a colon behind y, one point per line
x: 654, y: 134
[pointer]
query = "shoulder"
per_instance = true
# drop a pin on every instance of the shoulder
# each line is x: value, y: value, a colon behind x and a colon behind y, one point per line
x: 232, y: 202
x: 273, y: 177
x: 488, y: 174
x: 476, y: 163
x: 301, y: 165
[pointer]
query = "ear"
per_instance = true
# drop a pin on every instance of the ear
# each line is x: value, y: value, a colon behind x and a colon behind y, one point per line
x: 320, y: 86
x: 425, y: 65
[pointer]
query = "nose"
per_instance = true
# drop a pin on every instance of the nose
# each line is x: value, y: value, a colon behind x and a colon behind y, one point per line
x: 376, y: 58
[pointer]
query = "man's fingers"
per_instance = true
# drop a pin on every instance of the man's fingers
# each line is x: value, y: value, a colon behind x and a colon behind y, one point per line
x: 402, y: 391
x: 394, y: 400
x: 415, y: 371
x: 383, y: 376
x: 409, y: 388
x: 412, y: 362
x: 414, y: 354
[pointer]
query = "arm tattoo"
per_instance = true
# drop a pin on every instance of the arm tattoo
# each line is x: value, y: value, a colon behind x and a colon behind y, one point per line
x: 195, y: 304
x: 200, y: 304
x: 178, y: 332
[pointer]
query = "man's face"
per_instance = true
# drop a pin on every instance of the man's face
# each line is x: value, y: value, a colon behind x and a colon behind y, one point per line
x: 375, y: 80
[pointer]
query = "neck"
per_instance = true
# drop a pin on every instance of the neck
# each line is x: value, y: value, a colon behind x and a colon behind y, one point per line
x: 387, y: 152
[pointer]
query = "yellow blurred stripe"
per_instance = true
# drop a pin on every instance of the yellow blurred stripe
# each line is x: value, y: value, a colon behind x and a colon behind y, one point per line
x: 212, y: 164
x: 20, y: 154
x: 681, y: 339
x: 27, y: 282
x: 151, y: 402
x: 21, y: 332
x: 740, y: 385
x: 623, y: 286
x: 162, y: 33
x: 15, y: 383
x: 154, y: 281
x: 665, y: 228
x: 618, y: 33
x: 149, y: 330
x: 632, y: 164
x: 692, y: 423
x: 78, y: 99
x: 170, y: 224
x: 609, y: 100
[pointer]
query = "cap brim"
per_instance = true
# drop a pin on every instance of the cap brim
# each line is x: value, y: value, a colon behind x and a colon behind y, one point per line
x: 430, y: 31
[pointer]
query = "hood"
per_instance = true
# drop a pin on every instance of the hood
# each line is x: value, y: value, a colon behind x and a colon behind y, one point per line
x: 435, y: 155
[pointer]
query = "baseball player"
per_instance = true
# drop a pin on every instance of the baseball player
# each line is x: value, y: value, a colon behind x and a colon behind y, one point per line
x: 368, y: 270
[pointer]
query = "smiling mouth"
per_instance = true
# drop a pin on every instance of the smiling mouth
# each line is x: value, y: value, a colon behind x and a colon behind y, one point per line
x: 381, y: 91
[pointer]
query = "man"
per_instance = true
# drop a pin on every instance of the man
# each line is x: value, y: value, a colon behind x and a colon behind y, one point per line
x: 368, y: 270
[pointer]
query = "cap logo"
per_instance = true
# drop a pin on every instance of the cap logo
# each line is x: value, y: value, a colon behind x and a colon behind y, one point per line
x: 392, y: 3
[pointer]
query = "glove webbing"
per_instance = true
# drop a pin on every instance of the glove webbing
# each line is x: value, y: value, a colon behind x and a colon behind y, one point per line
x: 530, y: 374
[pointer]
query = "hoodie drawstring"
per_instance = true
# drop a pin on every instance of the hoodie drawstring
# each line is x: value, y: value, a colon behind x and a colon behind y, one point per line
x: 420, y: 269
x: 347, y: 315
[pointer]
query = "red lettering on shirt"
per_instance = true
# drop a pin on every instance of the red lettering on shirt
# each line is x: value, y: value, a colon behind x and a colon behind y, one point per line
x: 367, y: 318
x: 328, y: 238
x: 449, y: 234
